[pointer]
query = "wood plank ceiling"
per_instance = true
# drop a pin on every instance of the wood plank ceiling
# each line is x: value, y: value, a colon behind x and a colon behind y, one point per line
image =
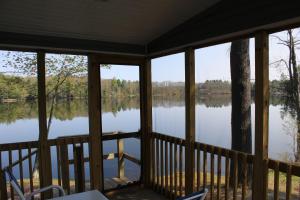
x: 140, y: 27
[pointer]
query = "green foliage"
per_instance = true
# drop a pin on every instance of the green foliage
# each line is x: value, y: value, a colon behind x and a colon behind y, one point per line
x: 75, y: 86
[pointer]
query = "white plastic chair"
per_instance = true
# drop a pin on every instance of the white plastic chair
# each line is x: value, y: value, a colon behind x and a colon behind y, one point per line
x: 195, y: 196
x: 13, y: 181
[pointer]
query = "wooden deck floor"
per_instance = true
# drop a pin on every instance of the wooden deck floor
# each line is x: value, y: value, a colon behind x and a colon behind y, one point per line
x: 134, y: 193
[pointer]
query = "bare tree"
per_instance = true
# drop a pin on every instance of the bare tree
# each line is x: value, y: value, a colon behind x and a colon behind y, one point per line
x: 292, y: 87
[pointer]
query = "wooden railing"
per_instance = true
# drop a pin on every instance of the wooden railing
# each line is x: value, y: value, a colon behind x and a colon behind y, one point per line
x: 167, y: 166
x: 69, y: 153
x: 227, y: 174
x: 286, y: 180
x: 13, y: 153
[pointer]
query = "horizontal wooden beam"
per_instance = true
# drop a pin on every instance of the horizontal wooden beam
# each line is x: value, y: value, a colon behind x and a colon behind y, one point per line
x: 119, y: 59
x: 112, y: 156
x: 27, y: 42
x: 132, y: 159
x: 225, y: 21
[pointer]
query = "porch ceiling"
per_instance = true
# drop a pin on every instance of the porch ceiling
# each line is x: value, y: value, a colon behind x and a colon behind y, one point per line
x: 129, y: 23
x: 140, y: 27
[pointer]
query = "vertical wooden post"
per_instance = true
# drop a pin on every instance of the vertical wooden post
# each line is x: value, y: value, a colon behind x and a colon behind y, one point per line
x: 146, y: 120
x: 95, y: 123
x: 261, y: 115
x: 189, y: 119
x: 79, y: 168
x: 3, y: 189
x: 121, y: 162
x: 45, y: 172
x: 65, y: 174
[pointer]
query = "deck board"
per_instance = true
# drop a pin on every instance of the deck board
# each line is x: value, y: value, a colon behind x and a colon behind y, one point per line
x: 134, y: 193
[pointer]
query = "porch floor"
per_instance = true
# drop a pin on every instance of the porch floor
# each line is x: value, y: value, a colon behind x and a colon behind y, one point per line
x: 134, y: 193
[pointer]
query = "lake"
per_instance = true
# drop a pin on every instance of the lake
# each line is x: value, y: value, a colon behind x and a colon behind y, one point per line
x: 18, y: 122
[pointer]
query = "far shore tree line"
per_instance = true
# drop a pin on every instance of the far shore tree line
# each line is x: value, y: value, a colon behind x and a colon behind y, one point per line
x: 75, y: 87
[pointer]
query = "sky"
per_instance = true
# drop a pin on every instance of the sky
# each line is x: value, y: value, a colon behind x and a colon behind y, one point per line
x: 211, y: 63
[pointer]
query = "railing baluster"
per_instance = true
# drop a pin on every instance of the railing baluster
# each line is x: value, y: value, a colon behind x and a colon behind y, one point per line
x: 276, y: 181
x: 58, y: 162
x: 219, y: 174
x: 180, y: 169
x: 212, y: 173
x: 30, y: 169
x: 157, y: 164
x: 83, y: 164
x: 245, y: 174
x: 21, y: 169
x: 171, y: 169
x: 162, y: 166
x: 198, y: 167
x: 288, y: 182
x: 79, y: 168
x: 65, y: 166
x: 12, y: 195
x: 235, y: 175
x: 166, y: 169
x: 176, y: 169
x: 227, y: 172
x: 3, y: 188
x: 153, y: 162
x: 204, y: 166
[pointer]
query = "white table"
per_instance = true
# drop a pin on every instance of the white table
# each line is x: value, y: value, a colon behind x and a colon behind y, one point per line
x: 91, y: 195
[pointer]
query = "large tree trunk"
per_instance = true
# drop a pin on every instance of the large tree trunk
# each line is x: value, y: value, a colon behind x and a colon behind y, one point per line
x: 241, y: 99
x: 295, y: 90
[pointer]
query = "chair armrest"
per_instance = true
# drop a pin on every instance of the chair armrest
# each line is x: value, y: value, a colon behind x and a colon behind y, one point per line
x: 60, y: 189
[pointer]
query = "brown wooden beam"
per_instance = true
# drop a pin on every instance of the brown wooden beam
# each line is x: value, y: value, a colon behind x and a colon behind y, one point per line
x: 30, y: 42
x: 121, y: 161
x: 189, y: 119
x: 44, y: 154
x: 79, y: 168
x: 146, y: 120
x: 3, y: 187
x: 95, y: 123
x: 261, y: 115
x: 119, y: 59
x: 65, y: 171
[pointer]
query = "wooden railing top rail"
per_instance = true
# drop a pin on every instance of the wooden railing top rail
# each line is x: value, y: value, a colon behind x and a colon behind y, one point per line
x: 19, y: 145
x: 168, y: 138
x: 68, y: 140
x: 284, y: 166
x: 119, y: 135
x: 223, y: 151
x: 204, y: 147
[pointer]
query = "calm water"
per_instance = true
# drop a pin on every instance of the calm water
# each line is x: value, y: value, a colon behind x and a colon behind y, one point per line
x: 18, y: 122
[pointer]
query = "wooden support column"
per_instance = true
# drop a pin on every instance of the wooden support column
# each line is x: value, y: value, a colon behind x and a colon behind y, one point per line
x: 189, y: 119
x: 44, y: 154
x: 65, y: 172
x: 121, y: 161
x: 3, y: 189
x: 261, y: 115
x: 146, y: 121
x: 95, y: 123
x: 79, y: 168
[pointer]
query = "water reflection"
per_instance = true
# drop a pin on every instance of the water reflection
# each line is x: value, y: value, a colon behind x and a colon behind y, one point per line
x: 18, y: 121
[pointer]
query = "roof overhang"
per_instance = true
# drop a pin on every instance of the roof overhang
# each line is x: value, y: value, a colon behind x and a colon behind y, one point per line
x: 229, y: 20
x: 185, y: 26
